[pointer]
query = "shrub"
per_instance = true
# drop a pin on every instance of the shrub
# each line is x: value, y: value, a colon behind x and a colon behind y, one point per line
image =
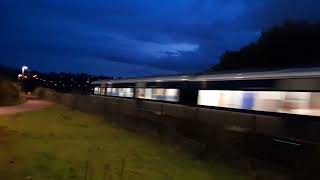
x: 9, y: 93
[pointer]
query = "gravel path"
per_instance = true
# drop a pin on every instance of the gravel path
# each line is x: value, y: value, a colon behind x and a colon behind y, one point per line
x: 30, y: 105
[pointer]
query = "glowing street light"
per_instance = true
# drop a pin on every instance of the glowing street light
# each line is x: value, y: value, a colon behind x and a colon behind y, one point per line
x: 23, y: 69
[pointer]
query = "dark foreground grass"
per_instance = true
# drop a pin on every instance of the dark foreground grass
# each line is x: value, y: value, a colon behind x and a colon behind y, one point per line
x: 59, y: 144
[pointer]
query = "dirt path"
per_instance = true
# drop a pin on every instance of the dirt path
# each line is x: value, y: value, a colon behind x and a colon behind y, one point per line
x: 30, y: 105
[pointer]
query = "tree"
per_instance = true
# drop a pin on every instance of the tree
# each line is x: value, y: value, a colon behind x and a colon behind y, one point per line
x: 286, y: 46
x: 9, y: 93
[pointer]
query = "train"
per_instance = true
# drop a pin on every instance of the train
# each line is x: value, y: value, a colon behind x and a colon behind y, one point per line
x: 274, y: 115
x: 288, y: 92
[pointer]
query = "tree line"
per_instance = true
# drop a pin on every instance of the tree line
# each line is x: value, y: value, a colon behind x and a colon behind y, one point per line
x: 290, y: 45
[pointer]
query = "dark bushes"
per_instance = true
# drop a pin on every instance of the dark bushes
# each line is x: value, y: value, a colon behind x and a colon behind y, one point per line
x: 9, y: 93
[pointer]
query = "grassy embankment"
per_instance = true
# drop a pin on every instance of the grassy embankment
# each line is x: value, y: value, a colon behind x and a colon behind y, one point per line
x: 57, y: 143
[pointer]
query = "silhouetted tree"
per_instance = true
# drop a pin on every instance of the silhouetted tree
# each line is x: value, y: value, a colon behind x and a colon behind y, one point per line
x: 285, y: 46
x: 7, y: 73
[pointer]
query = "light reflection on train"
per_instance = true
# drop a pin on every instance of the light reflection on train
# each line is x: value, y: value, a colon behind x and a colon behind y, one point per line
x: 302, y: 103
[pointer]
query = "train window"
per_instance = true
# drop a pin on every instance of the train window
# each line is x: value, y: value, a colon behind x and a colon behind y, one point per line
x: 302, y: 103
x: 172, y: 95
x: 125, y: 92
x: 148, y: 93
x: 109, y: 92
x: 120, y: 92
x: 103, y: 91
x: 114, y: 92
x: 158, y: 94
x: 96, y: 90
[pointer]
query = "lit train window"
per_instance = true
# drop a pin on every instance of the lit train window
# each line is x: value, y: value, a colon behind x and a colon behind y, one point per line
x: 302, y: 103
x: 172, y: 95
x: 109, y: 93
x: 158, y: 94
x: 102, y: 91
x: 114, y: 91
x: 125, y: 92
x: 120, y: 92
x: 148, y: 93
x: 96, y: 90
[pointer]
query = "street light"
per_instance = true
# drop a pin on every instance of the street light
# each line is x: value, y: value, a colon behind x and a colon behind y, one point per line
x: 23, y: 69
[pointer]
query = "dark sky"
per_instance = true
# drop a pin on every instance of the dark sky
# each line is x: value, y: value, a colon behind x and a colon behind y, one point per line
x: 136, y: 37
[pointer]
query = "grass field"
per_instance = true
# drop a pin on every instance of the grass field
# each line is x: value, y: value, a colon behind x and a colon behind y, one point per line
x: 59, y: 144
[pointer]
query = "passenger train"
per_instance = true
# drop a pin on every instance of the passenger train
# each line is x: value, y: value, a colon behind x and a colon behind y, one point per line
x: 282, y: 92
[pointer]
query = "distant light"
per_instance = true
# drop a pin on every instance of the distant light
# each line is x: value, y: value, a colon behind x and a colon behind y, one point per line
x: 158, y: 80
x: 183, y: 79
x: 55, y: 84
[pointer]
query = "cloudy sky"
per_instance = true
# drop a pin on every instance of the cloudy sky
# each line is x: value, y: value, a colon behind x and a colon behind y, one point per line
x: 136, y: 37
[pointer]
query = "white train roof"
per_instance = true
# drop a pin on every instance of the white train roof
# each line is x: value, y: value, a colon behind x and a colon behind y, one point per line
x: 279, y: 74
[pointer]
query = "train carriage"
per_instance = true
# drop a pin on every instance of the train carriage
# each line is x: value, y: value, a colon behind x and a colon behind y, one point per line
x: 283, y: 92
x: 273, y: 114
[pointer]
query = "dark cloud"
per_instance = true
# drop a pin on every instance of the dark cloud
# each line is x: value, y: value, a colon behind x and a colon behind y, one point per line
x: 133, y: 38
